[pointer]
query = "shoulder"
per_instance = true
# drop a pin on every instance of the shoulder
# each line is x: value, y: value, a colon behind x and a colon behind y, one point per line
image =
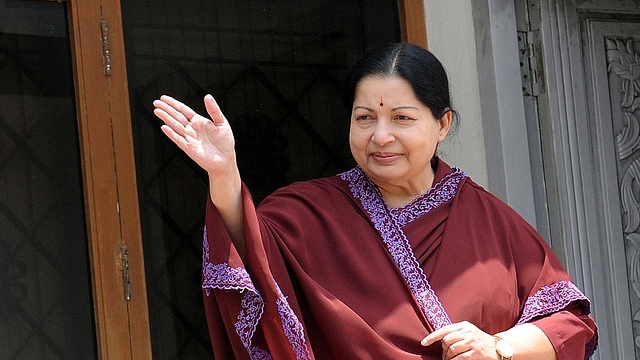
x: 314, y: 191
x: 480, y: 209
x: 474, y: 196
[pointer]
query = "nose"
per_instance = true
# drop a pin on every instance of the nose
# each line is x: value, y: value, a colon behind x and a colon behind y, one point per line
x: 382, y: 133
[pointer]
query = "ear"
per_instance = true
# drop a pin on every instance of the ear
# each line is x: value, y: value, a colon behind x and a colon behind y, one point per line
x: 445, y: 125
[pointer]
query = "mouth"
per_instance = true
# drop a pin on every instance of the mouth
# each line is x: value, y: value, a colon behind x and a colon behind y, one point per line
x: 385, y: 158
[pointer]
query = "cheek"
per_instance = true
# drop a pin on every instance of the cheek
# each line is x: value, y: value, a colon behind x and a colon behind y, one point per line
x: 352, y: 141
x: 358, y: 146
x: 357, y: 139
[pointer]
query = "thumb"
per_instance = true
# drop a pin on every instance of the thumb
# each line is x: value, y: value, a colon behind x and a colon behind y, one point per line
x: 213, y: 109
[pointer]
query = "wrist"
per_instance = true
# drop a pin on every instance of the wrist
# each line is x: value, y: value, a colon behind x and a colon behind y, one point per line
x: 504, y: 350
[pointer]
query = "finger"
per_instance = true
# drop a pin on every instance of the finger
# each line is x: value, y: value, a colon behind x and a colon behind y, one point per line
x: 177, y: 110
x: 175, y: 137
x: 455, y: 350
x: 439, y: 334
x: 186, y: 111
x: 213, y: 109
x: 449, y: 352
x: 430, y: 339
x: 168, y: 114
x: 433, y: 337
x: 170, y: 121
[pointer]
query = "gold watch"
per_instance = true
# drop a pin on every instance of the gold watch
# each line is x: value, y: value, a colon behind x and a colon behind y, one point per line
x: 503, y: 348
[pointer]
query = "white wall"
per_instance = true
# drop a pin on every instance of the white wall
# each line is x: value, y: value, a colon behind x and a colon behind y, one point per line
x: 492, y: 143
x: 451, y: 38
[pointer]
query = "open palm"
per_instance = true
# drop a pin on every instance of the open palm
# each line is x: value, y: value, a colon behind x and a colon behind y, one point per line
x: 209, y: 142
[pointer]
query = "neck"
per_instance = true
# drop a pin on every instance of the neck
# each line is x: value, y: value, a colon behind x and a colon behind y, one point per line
x: 396, y: 196
x: 398, y: 201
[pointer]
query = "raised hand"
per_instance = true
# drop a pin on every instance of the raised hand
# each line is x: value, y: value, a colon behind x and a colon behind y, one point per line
x: 209, y: 142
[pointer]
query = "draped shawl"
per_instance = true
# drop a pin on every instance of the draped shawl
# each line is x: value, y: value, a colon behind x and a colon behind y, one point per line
x: 333, y: 273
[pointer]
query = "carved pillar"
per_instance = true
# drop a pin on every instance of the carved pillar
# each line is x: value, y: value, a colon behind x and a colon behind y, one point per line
x: 623, y: 62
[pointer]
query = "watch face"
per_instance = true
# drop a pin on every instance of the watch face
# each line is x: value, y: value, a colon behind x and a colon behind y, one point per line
x: 504, y: 349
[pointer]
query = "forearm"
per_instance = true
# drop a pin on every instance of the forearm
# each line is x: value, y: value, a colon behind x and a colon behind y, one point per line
x: 529, y: 342
x: 226, y: 194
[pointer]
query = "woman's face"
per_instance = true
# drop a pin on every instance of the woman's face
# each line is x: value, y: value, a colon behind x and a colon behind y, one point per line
x: 393, y: 135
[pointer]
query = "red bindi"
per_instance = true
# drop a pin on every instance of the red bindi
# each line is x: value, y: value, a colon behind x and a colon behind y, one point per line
x: 381, y: 103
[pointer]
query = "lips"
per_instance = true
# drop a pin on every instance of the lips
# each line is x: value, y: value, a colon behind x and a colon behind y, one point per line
x: 385, y: 158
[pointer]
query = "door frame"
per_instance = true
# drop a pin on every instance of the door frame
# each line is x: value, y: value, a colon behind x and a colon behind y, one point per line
x: 413, y: 27
x: 111, y: 199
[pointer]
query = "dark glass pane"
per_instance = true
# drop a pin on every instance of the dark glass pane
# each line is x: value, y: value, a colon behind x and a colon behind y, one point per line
x: 276, y: 68
x: 45, y: 291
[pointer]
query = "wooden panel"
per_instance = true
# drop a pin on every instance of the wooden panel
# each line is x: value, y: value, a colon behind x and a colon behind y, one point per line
x: 99, y: 181
x: 127, y: 186
x: 109, y: 180
x: 412, y: 22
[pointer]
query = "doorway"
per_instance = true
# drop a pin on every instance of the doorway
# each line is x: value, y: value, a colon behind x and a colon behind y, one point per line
x: 70, y: 229
x: 276, y: 68
x: 44, y: 261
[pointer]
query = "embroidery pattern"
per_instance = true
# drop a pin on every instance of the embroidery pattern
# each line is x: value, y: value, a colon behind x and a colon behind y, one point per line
x: 222, y: 276
x: 396, y: 241
x: 440, y: 193
x: 293, y: 329
x: 550, y: 299
x: 259, y: 354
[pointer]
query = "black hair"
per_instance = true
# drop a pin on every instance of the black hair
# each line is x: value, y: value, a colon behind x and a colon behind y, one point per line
x: 412, y: 63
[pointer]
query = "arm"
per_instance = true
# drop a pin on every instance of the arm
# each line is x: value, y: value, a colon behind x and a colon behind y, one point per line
x: 210, y: 143
x: 225, y: 193
x: 528, y: 341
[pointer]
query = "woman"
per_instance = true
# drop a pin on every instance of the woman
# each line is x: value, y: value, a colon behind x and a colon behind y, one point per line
x: 401, y: 257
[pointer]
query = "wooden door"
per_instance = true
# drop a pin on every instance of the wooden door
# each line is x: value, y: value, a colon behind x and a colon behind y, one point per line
x: 72, y: 271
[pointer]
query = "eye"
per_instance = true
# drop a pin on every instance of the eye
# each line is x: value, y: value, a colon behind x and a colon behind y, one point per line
x: 364, y: 117
x: 403, y: 118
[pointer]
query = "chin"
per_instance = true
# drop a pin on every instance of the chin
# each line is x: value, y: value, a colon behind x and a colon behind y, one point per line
x: 386, y: 175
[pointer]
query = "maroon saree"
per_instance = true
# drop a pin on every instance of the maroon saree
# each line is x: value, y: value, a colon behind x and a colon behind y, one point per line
x: 333, y: 273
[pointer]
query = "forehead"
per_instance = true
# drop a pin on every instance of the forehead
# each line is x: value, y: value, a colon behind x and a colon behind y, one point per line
x: 373, y: 87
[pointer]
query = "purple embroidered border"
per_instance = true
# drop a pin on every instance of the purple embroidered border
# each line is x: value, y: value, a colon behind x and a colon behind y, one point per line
x: 259, y: 354
x: 222, y: 276
x: 396, y: 241
x: 554, y: 298
x: 293, y: 329
x: 437, y: 195
x: 550, y: 299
